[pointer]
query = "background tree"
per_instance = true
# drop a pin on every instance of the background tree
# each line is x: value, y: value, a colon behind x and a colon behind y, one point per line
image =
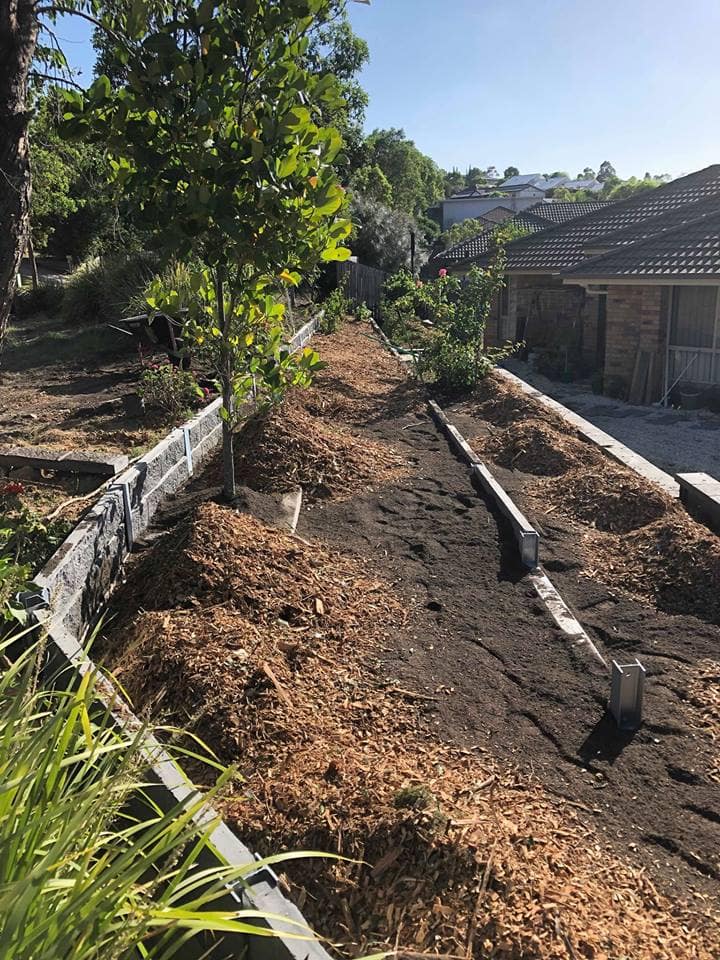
x: 453, y: 182
x: 381, y: 235
x: 474, y: 177
x: 587, y: 174
x: 606, y: 171
x: 416, y: 180
x: 370, y: 182
x: 511, y: 172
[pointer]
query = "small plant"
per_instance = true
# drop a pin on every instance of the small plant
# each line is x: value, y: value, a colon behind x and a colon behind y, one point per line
x: 335, y: 308
x: 92, y: 866
x: 414, y: 797
x: 27, y: 540
x: 14, y: 577
x: 170, y: 389
x: 363, y: 313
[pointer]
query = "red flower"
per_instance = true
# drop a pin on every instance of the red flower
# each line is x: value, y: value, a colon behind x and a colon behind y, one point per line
x: 442, y: 272
x: 12, y: 488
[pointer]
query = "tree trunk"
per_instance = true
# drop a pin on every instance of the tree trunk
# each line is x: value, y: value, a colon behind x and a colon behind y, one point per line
x: 18, y: 35
x: 229, y: 485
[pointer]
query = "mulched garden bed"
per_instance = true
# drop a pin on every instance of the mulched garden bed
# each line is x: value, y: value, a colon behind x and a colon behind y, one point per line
x: 267, y: 647
x: 392, y: 691
x: 646, y: 544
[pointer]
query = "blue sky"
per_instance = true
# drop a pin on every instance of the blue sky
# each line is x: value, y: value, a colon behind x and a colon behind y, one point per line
x: 544, y: 85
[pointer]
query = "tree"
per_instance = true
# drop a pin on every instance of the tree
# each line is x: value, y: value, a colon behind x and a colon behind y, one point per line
x: 587, y: 174
x: 416, y: 180
x: 336, y: 51
x: 214, y: 137
x: 370, y: 182
x: 606, y: 171
x: 18, y: 39
x: 474, y: 176
x: 453, y: 182
x: 381, y: 235
x: 511, y: 172
x: 556, y: 173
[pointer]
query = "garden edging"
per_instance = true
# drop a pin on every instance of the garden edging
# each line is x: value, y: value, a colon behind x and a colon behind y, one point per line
x: 74, y: 587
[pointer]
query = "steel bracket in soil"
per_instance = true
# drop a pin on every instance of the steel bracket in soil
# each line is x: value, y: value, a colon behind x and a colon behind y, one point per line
x: 74, y: 586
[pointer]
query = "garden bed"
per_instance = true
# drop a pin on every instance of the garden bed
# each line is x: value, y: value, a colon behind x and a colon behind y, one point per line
x: 391, y: 691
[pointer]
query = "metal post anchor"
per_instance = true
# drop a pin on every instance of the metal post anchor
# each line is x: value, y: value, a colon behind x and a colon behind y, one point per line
x: 626, y: 694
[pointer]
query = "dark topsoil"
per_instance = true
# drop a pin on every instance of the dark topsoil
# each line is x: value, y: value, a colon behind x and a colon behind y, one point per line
x: 507, y: 678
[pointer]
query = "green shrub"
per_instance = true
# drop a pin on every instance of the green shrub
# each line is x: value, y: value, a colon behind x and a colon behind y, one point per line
x: 14, y: 577
x: 103, y: 288
x: 27, y: 538
x: 363, y: 314
x: 170, y: 389
x: 335, y: 308
x: 47, y: 298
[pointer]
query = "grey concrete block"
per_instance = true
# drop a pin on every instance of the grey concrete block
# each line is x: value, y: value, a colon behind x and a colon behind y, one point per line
x: 79, y: 578
x: 700, y: 493
x: 527, y: 537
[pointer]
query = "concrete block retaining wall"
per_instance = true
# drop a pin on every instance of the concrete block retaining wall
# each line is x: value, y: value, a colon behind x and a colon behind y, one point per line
x: 78, y: 580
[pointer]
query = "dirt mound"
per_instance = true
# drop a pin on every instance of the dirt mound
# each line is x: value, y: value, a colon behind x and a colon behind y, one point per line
x: 534, y: 447
x: 373, y: 384
x: 272, y: 659
x: 608, y: 498
x: 501, y: 403
x: 675, y: 561
x: 292, y: 448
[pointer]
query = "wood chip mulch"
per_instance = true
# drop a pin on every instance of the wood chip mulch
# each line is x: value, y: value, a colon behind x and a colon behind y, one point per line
x: 268, y: 646
x: 653, y: 551
x: 292, y: 448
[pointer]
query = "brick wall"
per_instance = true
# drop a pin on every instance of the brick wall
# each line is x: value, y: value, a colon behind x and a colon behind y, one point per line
x: 636, y: 320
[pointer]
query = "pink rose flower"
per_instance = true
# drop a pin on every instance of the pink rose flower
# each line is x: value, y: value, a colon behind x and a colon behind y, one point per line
x: 442, y: 272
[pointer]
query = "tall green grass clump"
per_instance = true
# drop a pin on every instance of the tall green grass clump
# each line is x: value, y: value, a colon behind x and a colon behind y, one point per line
x: 103, y: 288
x: 90, y: 865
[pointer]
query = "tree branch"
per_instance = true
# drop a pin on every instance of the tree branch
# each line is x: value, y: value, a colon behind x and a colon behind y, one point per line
x: 46, y: 76
x: 55, y: 9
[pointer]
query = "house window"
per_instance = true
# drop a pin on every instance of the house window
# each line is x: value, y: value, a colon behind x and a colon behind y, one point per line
x: 694, y: 341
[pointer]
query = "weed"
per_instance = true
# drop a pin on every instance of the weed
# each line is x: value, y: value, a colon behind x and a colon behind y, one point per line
x: 170, y: 389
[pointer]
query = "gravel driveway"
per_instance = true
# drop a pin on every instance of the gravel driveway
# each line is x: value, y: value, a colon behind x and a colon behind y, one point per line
x: 677, y: 441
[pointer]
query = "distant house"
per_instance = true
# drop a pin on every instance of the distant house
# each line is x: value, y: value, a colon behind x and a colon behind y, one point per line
x: 631, y: 289
x: 516, y: 193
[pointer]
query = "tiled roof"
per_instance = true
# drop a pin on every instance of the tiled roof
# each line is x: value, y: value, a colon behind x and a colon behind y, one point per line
x: 541, y: 216
x: 686, y: 252
x: 655, y: 225
x: 481, y: 244
x: 560, y: 211
x: 562, y: 247
x: 497, y: 215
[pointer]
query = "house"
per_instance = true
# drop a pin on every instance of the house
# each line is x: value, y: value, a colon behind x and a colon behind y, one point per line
x: 518, y: 193
x: 540, y: 216
x: 629, y: 290
x: 478, y: 202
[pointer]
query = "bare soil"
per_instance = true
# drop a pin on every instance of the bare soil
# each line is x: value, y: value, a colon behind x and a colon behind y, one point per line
x: 392, y: 690
x: 54, y: 380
